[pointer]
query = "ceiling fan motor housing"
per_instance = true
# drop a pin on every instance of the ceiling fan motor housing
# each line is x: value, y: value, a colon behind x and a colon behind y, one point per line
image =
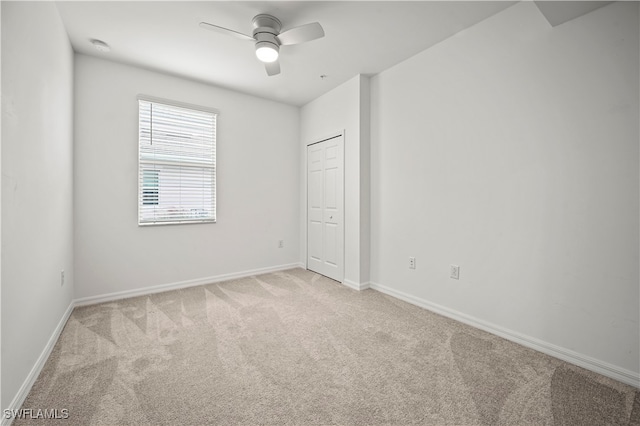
x: 267, y: 23
x: 266, y: 29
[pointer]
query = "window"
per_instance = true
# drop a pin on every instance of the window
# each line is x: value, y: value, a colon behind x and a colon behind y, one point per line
x: 177, y: 163
x: 150, y: 187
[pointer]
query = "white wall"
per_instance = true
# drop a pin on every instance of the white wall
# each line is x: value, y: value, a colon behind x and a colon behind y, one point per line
x: 37, y: 187
x: 257, y: 172
x: 342, y: 109
x: 511, y: 149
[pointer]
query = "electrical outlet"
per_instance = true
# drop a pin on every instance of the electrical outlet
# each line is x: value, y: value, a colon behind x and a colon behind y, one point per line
x: 455, y: 272
x: 412, y: 262
x: 61, y: 278
x: 280, y: 243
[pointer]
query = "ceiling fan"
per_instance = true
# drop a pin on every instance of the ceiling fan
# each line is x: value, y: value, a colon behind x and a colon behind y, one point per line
x: 268, y: 38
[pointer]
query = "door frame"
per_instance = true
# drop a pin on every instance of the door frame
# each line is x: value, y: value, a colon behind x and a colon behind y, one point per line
x: 333, y: 135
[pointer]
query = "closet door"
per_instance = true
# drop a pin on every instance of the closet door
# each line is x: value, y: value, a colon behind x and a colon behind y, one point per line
x: 325, y: 208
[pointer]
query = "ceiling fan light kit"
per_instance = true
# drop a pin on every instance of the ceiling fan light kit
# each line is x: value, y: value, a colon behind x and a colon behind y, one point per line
x: 267, y: 52
x: 268, y: 39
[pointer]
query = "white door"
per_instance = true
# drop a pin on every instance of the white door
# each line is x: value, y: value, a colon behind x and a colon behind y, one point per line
x: 325, y: 208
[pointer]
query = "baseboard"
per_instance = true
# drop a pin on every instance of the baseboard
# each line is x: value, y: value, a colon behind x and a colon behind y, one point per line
x: 622, y: 375
x: 354, y: 285
x: 92, y: 300
x: 20, y: 397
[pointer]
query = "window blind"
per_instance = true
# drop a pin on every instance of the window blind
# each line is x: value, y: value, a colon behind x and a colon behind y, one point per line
x: 177, y: 164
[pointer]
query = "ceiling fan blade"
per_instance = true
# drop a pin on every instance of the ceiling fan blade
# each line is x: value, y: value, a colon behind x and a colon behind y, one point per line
x: 226, y: 31
x: 301, y: 34
x: 272, y: 68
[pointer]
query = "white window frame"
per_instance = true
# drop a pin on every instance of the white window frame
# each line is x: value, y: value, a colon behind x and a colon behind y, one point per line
x: 141, y: 162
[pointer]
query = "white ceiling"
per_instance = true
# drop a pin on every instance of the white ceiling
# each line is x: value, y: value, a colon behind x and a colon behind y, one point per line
x: 362, y: 37
x: 559, y: 12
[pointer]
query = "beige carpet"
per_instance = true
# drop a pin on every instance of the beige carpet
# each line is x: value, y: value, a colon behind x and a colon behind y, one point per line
x: 296, y: 348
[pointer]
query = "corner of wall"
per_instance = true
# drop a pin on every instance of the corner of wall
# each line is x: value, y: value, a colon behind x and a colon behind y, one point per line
x: 365, y: 178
